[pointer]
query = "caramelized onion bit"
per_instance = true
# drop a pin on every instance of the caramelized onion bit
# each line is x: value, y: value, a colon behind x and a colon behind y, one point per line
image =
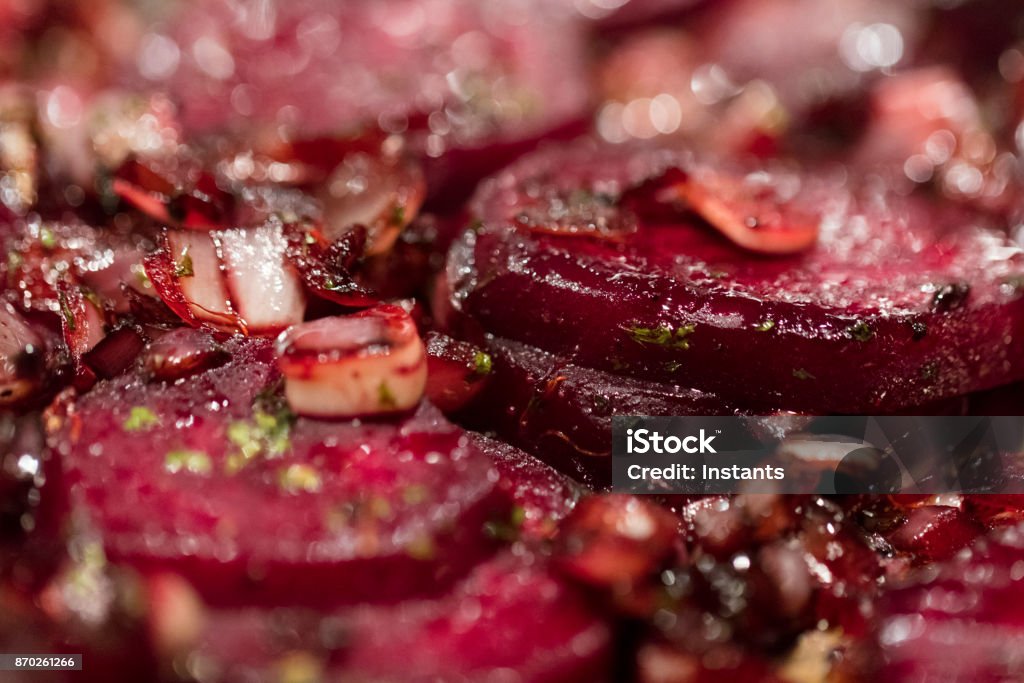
x: 368, y: 363
x: 365, y: 180
x: 746, y: 211
x: 233, y: 280
x: 382, y: 195
x: 182, y: 195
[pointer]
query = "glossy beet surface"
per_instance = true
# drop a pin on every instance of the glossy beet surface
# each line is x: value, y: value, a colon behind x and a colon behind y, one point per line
x: 228, y: 488
x: 922, y: 298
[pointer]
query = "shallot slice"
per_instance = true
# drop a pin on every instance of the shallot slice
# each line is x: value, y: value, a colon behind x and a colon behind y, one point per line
x: 235, y: 280
x: 368, y: 363
x: 746, y: 211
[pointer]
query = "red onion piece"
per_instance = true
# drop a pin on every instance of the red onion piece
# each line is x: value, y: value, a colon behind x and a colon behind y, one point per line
x: 233, y: 280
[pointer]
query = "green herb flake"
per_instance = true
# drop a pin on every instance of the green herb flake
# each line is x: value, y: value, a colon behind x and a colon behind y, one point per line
x: 47, y: 238
x: 267, y: 434
x: 300, y: 478
x: 398, y: 216
x: 664, y: 335
x: 507, y: 529
x: 860, y: 331
x: 140, y: 419
x: 800, y: 373
x: 765, y: 326
x: 185, y: 460
x: 482, y: 364
x: 183, y: 266
x: 14, y: 260
x: 66, y: 312
x: 385, y: 397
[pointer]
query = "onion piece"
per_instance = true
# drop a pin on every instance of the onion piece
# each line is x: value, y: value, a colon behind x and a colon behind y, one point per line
x: 383, y: 195
x: 368, y: 363
x: 267, y: 294
x: 749, y: 214
x: 233, y: 280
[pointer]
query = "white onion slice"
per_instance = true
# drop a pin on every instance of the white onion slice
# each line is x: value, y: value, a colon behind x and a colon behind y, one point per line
x: 368, y: 363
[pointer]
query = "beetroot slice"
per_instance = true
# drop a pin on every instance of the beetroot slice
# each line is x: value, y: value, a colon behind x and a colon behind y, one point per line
x: 510, y: 614
x: 919, y: 297
x: 562, y: 412
x: 191, y: 477
x: 973, y: 602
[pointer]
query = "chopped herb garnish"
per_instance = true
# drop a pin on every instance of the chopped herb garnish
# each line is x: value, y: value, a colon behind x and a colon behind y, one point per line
x: 800, y: 373
x: 385, y: 397
x: 65, y: 310
x: 298, y: 478
x: 183, y: 266
x: 47, y: 238
x: 193, y: 462
x: 140, y: 419
x: 398, y: 215
x: 14, y: 260
x: 664, y: 335
x: 764, y: 325
x: 860, y: 331
x: 507, y: 530
x: 482, y: 364
x: 266, y: 434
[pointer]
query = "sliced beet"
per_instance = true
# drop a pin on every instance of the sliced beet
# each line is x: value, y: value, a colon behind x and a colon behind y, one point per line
x: 958, y: 621
x: 562, y: 412
x: 919, y: 296
x: 518, y: 74
x: 210, y: 477
x: 510, y: 614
